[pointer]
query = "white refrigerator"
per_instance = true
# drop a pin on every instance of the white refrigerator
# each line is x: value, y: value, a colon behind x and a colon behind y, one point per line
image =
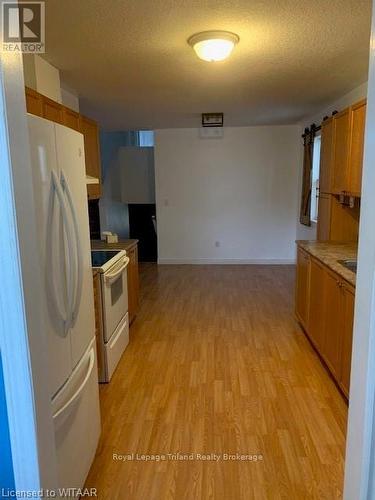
x: 59, y: 185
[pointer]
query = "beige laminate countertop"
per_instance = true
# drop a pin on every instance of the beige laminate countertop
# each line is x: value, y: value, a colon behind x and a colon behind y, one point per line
x: 120, y: 245
x: 330, y: 253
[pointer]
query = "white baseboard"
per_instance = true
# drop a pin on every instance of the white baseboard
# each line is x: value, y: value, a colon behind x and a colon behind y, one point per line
x: 271, y: 262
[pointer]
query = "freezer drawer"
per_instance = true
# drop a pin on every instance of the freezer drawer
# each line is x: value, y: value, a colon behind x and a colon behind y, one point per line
x: 76, y: 417
x: 116, y: 346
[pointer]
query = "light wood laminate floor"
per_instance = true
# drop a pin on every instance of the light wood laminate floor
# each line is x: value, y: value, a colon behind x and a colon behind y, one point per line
x: 217, y: 364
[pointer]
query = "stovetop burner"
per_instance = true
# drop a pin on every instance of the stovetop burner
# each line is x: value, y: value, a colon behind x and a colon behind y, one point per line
x: 100, y: 257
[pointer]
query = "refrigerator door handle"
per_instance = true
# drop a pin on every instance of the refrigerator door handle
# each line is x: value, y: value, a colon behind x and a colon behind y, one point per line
x: 65, y: 315
x: 78, y: 272
x: 81, y: 387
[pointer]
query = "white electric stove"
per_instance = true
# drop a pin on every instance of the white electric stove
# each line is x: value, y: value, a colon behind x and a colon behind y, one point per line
x: 112, y: 266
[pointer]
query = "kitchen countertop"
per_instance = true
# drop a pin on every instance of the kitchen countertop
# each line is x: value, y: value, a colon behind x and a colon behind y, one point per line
x: 330, y: 252
x: 120, y: 245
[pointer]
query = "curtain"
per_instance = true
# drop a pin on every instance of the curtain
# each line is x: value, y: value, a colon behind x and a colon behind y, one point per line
x: 308, y: 146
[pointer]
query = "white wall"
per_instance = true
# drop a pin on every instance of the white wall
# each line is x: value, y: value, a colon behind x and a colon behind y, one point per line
x: 29, y: 70
x: 136, y: 166
x: 70, y: 99
x: 240, y: 191
x: 306, y: 232
x: 114, y: 215
x: 360, y: 443
x: 42, y: 76
x: 45, y: 78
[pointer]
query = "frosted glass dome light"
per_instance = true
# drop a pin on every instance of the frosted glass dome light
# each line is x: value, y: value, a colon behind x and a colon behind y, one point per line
x: 213, y: 45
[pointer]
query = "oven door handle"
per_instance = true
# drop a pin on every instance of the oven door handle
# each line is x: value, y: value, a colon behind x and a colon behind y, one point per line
x: 111, y: 277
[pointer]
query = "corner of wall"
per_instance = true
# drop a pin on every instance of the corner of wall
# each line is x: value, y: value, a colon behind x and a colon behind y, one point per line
x: 69, y: 98
x: 29, y: 70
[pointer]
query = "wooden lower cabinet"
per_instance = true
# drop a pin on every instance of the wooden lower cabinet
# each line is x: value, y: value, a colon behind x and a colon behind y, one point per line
x: 133, y: 283
x: 98, y: 319
x: 317, y: 304
x: 331, y: 349
x: 302, y: 287
x: 347, y: 336
x: 330, y: 312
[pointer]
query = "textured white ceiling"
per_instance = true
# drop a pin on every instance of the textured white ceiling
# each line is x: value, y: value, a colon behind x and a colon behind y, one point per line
x: 132, y: 67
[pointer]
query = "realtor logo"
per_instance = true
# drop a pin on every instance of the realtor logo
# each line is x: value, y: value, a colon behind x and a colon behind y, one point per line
x: 23, y: 26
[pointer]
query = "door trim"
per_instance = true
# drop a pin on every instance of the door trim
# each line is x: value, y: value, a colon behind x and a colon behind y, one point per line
x: 360, y: 448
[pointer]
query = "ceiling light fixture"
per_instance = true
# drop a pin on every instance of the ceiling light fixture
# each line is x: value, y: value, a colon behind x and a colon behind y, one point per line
x: 213, y: 45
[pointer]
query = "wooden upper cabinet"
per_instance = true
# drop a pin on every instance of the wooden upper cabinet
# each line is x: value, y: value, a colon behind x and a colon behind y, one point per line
x: 324, y: 217
x: 337, y: 222
x: 358, y: 119
x: 302, y: 287
x: 89, y: 129
x: 70, y: 118
x: 34, y: 102
x: 40, y: 105
x: 344, y: 224
x: 341, y: 136
x: 326, y: 156
x: 348, y: 301
x: 342, y: 151
x: 52, y: 110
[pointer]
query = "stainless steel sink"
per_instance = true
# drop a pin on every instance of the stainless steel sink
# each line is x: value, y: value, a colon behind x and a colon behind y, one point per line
x: 350, y: 264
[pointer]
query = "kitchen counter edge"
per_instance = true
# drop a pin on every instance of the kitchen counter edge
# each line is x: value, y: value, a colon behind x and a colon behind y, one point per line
x: 329, y: 253
x: 120, y: 245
